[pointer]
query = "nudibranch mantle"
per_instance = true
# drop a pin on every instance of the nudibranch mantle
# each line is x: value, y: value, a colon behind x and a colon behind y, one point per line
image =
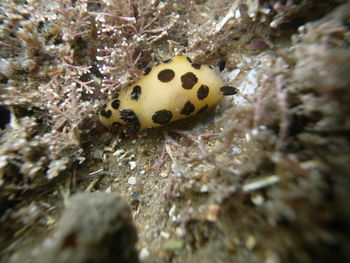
x: 173, y: 90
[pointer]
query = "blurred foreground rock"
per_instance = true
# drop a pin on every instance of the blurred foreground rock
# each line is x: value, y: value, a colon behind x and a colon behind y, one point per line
x: 96, y: 227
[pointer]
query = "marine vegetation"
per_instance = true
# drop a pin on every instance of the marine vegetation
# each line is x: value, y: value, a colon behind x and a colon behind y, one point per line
x: 262, y: 176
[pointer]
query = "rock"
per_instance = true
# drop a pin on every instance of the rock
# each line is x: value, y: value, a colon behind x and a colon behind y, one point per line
x: 94, y: 228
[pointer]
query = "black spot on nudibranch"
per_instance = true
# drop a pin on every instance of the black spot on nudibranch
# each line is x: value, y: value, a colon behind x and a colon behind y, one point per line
x: 129, y: 116
x: 166, y: 75
x: 221, y: 64
x: 228, y: 90
x: 115, y: 104
x: 189, y: 60
x: 202, y: 92
x: 196, y: 65
x: 187, y: 109
x: 116, y: 96
x: 147, y: 71
x: 162, y: 117
x: 131, y: 119
x: 188, y: 80
x: 136, y: 92
x: 202, y: 109
x: 106, y: 113
x: 167, y: 61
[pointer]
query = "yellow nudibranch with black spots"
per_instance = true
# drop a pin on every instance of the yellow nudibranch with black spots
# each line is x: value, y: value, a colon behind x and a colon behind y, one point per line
x: 173, y: 90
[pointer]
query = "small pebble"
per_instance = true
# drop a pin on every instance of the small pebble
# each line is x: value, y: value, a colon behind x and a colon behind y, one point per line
x: 257, y: 199
x: 180, y: 231
x: 250, y: 242
x: 144, y: 253
x: 118, y: 152
x: 132, y: 180
x: 163, y: 174
x: 172, y: 210
x: 164, y: 235
x: 132, y: 165
x: 108, y: 149
x: 204, y: 189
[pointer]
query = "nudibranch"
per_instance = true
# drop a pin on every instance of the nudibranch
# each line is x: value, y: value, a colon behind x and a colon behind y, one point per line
x: 173, y: 90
